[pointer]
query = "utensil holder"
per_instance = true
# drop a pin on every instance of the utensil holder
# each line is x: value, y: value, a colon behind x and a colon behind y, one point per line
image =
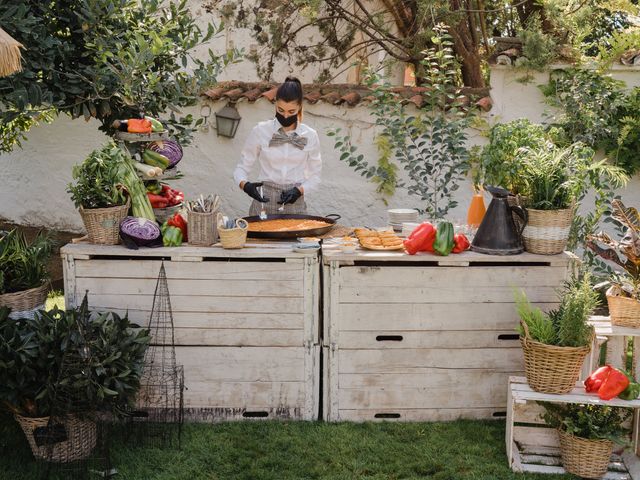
x: 201, y: 228
x: 233, y: 237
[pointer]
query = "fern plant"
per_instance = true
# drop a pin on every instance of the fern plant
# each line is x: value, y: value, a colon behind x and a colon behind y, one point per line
x: 23, y: 264
x: 591, y: 422
x: 539, y: 324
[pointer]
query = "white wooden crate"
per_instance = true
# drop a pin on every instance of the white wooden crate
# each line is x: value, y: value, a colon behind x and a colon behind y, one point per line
x: 246, y: 321
x: 532, y: 446
x: 405, y: 335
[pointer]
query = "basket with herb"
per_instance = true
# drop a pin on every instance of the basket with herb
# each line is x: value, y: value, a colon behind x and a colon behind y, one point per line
x: 201, y: 224
x: 555, y: 343
x: 623, y: 295
x: 23, y: 271
x: 587, y: 434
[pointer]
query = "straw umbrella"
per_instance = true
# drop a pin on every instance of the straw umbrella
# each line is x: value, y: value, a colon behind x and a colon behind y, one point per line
x: 9, y: 54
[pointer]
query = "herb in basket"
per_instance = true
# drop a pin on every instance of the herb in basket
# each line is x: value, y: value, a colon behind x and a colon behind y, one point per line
x: 97, y: 180
x: 23, y: 264
x: 204, y: 205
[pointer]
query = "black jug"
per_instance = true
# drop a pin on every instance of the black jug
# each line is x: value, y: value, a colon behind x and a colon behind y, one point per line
x: 498, y: 234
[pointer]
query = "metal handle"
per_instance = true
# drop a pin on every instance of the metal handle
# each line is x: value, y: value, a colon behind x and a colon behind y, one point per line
x: 337, y: 217
x: 522, y: 213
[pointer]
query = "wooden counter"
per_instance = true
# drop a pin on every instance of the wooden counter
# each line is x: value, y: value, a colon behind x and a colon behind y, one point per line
x: 425, y: 337
x: 246, y: 321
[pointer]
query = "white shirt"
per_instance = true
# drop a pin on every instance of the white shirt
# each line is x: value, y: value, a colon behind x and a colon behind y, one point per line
x: 282, y: 164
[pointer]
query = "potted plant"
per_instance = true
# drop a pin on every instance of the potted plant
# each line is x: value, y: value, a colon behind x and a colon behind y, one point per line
x: 623, y: 295
x: 98, y: 194
x: 41, y: 376
x: 555, y: 343
x: 23, y: 270
x: 587, y: 434
x: 553, y: 181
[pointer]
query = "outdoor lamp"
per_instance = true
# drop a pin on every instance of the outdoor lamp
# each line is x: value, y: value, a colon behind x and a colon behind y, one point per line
x: 227, y: 120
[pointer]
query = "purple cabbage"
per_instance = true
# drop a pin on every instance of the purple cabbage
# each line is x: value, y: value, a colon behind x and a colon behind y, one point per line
x: 169, y: 148
x: 141, y: 231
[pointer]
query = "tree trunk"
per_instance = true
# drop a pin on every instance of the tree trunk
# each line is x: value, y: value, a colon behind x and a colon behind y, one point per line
x: 466, y: 48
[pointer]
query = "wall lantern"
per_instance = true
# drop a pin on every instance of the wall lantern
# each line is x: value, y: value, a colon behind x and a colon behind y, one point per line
x: 227, y: 120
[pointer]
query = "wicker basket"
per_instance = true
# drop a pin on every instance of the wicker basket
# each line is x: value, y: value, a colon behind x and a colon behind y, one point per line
x: 549, y: 368
x: 233, y: 237
x: 547, y: 231
x: 103, y: 224
x: 585, y: 458
x: 201, y: 228
x: 25, y: 302
x: 624, y: 311
x: 81, y: 439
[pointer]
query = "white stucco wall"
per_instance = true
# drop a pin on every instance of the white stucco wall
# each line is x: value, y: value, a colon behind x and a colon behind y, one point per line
x: 34, y: 179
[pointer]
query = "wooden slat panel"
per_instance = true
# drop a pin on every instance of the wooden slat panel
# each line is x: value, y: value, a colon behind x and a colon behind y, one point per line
x: 391, y: 339
x: 544, y: 437
x: 250, y: 395
x: 418, y: 415
x: 453, y: 278
x: 190, y: 270
x: 239, y: 338
x: 436, y: 378
x: 241, y: 364
x: 530, y: 412
x: 203, y: 304
x: 443, y: 292
x: 435, y: 316
x: 213, y: 288
x: 484, y: 394
x: 420, y: 360
x: 223, y: 320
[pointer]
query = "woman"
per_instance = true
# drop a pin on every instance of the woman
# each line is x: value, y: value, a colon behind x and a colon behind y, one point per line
x: 288, y: 156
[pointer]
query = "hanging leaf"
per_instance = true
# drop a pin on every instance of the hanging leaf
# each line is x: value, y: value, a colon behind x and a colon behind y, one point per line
x: 628, y: 216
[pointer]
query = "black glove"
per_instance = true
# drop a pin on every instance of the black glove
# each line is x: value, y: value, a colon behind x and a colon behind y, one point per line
x: 251, y: 189
x: 290, y: 196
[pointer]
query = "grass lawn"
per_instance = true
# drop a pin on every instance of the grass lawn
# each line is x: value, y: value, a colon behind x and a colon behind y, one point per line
x: 303, y: 450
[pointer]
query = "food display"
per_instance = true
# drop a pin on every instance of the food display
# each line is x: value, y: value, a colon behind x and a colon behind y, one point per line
x: 286, y: 225
x: 375, y: 240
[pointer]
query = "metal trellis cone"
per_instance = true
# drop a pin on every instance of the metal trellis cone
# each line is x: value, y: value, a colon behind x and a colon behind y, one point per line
x: 157, y: 420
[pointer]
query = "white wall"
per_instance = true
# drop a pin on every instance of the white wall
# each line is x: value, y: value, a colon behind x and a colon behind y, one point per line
x: 34, y: 179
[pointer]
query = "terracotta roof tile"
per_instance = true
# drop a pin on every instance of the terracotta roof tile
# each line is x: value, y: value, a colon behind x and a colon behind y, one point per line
x: 351, y: 98
x: 313, y: 97
x: 331, y: 97
x: 270, y: 94
x: 334, y: 94
x: 234, y: 94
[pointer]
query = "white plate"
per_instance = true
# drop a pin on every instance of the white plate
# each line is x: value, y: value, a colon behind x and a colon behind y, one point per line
x: 402, y: 211
x: 298, y: 249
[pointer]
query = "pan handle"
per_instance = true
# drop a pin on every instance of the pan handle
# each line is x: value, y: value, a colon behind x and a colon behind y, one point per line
x: 335, y: 216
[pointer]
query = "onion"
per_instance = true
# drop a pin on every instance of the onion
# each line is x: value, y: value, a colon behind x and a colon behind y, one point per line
x: 141, y: 230
x: 169, y: 148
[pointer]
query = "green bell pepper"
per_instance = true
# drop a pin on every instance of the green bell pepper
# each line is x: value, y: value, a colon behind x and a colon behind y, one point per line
x: 444, y: 239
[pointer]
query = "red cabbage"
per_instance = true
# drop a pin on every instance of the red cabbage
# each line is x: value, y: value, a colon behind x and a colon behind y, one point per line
x: 141, y: 230
x: 169, y: 148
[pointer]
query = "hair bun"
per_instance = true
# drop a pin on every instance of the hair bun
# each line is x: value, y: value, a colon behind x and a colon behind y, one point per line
x: 293, y: 79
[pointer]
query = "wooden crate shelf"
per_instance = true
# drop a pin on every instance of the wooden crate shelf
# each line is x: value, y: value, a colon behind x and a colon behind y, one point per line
x: 404, y: 334
x: 246, y: 321
x: 533, y: 447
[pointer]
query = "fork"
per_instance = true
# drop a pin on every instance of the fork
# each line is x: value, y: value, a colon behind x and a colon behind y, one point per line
x: 263, y: 213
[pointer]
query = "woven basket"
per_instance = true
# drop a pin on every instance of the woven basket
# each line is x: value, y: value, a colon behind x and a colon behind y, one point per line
x: 585, y: 458
x: 80, y: 440
x: 547, y: 231
x: 201, y: 228
x: 624, y: 311
x: 233, y: 237
x: 549, y: 368
x: 103, y: 224
x: 25, y: 302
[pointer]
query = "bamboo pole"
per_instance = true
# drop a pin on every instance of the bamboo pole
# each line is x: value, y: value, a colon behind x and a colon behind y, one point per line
x: 10, y: 58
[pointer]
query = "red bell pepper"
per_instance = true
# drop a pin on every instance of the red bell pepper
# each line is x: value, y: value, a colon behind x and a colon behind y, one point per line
x: 157, y: 201
x: 178, y: 221
x: 596, y: 379
x: 461, y: 243
x: 421, y: 239
x: 615, y: 383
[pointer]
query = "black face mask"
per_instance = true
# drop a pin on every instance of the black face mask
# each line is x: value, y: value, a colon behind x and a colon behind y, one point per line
x: 286, y: 121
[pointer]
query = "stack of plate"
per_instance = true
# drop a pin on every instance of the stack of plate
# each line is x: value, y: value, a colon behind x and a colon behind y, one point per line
x: 398, y: 216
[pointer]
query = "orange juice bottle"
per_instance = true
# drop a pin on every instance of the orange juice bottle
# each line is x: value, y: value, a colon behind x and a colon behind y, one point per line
x: 476, y: 210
